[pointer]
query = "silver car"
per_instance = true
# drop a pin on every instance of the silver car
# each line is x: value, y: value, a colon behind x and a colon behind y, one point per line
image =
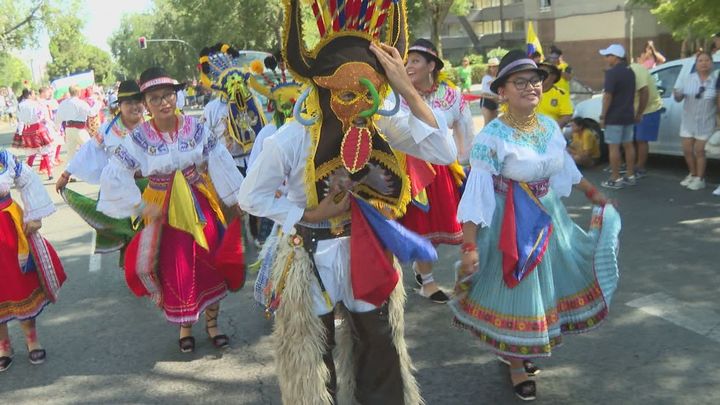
x: 665, y: 75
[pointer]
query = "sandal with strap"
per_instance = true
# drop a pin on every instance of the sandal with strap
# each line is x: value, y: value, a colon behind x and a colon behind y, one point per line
x: 526, y: 390
x: 187, y: 343
x: 220, y: 341
x: 37, y: 356
x: 5, y: 362
x: 530, y: 367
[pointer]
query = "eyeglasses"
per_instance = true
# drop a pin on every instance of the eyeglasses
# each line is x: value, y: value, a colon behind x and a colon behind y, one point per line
x: 158, y: 100
x: 522, y: 83
x: 700, y: 93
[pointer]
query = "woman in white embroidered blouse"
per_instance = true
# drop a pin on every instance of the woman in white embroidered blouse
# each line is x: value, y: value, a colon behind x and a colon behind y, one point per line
x: 529, y: 274
x: 173, y: 260
x: 25, y: 258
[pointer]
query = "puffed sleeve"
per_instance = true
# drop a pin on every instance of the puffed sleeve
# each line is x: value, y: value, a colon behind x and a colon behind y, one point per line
x: 266, y: 176
x: 119, y: 195
x: 563, y: 181
x: 36, y: 200
x: 89, y: 162
x: 411, y: 135
x: 477, y: 204
x: 225, y: 176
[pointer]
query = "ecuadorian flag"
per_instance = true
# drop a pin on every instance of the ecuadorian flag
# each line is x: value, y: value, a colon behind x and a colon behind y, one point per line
x: 532, y: 41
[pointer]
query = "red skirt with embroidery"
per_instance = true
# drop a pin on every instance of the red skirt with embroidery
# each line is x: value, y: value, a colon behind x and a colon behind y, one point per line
x: 22, y: 295
x: 33, y: 136
x: 439, y: 224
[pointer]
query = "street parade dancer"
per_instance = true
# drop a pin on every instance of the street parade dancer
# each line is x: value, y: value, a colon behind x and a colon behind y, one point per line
x: 344, y: 175
x: 72, y: 116
x: 282, y: 92
x: 529, y: 274
x: 183, y: 256
x: 87, y: 165
x: 33, y: 133
x: 30, y: 270
x: 435, y: 192
x: 236, y: 117
x: 48, y: 101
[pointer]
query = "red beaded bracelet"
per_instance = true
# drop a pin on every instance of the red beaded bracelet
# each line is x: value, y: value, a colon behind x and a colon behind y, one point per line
x: 590, y: 194
x: 468, y: 247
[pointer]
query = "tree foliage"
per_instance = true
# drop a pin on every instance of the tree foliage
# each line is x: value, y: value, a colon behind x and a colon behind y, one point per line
x: 22, y: 20
x: 247, y: 24
x: 688, y: 19
x: 71, y: 53
x: 437, y: 11
x: 14, y: 72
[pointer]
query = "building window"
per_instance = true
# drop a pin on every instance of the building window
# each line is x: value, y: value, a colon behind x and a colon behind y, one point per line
x: 545, y: 5
x: 514, y: 25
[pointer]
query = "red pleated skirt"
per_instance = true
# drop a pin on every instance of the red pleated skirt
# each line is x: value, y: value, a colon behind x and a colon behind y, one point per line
x: 21, y: 294
x: 439, y: 224
x: 35, y: 136
x: 188, y: 277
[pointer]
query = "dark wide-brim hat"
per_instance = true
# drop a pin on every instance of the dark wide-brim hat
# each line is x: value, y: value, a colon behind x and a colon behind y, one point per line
x: 551, y: 69
x: 514, y: 62
x: 428, y: 49
x: 156, y: 77
x: 128, y: 91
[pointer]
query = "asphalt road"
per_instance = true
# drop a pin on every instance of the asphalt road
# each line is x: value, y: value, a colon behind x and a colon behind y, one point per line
x: 660, y: 345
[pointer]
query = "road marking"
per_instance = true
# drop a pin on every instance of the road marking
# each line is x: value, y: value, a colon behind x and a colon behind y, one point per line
x: 95, y: 259
x: 702, y: 321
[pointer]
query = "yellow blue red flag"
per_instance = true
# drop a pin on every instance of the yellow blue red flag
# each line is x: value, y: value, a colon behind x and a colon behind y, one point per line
x: 532, y: 41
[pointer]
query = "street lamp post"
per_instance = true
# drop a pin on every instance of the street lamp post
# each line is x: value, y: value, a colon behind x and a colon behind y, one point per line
x: 143, y: 40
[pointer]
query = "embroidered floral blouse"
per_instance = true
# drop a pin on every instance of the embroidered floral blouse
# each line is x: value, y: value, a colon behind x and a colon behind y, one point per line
x: 13, y: 172
x: 448, y: 101
x: 89, y: 162
x: 501, y: 150
x: 148, y: 152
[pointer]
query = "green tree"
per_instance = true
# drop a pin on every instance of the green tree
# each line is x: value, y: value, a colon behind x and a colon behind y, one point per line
x: 71, y: 53
x: 14, y: 72
x: 674, y: 14
x: 22, y: 20
x: 438, y: 10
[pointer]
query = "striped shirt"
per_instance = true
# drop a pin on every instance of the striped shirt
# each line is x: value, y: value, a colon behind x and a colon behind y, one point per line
x: 700, y: 104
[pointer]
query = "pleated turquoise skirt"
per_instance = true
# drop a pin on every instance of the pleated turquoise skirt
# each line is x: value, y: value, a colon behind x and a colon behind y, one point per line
x: 569, y: 291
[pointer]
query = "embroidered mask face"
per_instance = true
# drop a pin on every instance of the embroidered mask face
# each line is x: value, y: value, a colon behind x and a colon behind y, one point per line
x: 284, y: 97
x: 353, y: 93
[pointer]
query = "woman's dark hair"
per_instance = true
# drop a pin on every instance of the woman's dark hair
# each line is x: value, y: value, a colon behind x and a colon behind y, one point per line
x: 429, y: 59
x: 24, y: 95
x: 583, y: 123
x: 703, y: 52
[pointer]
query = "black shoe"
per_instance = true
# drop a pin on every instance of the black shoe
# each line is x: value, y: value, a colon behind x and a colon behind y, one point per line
x: 418, y: 279
x: 5, y: 363
x: 438, y: 297
x: 37, y: 356
x: 526, y: 390
x: 530, y: 368
x: 187, y: 344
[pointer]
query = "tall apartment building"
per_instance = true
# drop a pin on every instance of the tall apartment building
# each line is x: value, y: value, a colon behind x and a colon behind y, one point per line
x: 579, y: 27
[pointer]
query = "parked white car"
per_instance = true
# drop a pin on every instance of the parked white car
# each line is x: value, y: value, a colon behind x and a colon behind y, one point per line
x: 665, y: 75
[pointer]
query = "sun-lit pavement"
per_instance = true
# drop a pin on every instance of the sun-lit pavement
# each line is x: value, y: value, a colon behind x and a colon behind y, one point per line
x: 660, y: 345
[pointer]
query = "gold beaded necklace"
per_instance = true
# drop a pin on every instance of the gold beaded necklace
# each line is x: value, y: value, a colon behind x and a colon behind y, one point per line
x: 526, y: 126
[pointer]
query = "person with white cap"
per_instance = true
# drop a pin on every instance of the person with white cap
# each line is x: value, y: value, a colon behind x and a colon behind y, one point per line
x: 618, y: 115
x: 490, y: 99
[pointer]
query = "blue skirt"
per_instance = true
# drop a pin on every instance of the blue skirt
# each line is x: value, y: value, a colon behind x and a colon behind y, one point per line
x: 568, y: 292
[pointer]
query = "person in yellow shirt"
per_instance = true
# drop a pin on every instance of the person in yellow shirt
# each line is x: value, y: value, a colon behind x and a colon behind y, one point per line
x: 648, y: 105
x: 555, y: 102
x: 584, y: 145
x: 555, y: 58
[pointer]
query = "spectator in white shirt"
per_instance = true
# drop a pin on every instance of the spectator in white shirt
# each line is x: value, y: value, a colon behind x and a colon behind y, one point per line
x: 72, y: 114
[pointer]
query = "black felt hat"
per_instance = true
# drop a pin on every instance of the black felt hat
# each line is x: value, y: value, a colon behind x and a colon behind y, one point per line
x: 515, y: 61
x: 427, y: 48
x: 128, y: 91
x: 156, y: 77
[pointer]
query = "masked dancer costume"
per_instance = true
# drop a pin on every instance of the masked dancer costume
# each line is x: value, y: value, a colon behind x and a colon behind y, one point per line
x: 349, y: 140
x: 177, y: 260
